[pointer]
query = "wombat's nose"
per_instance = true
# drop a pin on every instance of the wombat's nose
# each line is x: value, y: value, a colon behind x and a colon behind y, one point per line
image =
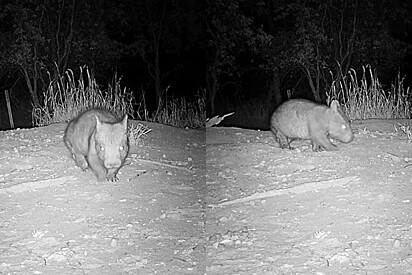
x: 348, y: 138
x: 112, y: 164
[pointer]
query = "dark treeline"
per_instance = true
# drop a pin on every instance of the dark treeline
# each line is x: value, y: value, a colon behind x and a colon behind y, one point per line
x: 154, y: 45
x: 267, y: 48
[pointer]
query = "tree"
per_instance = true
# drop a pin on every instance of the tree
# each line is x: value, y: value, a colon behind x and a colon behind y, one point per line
x: 312, y: 42
x: 22, y: 46
x: 161, y: 30
x: 232, y: 38
x: 48, y: 36
x: 333, y: 36
x: 309, y: 45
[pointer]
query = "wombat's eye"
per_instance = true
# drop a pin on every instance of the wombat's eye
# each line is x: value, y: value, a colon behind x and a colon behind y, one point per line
x: 121, y: 148
x: 101, y: 148
x: 343, y: 127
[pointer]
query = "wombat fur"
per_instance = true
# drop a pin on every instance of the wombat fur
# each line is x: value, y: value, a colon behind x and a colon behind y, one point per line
x: 303, y: 119
x: 99, y: 141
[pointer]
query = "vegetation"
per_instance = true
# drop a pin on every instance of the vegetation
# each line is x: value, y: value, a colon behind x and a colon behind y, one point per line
x: 366, y: 98
x: 181, y: 113
x: 178, y: 112
x: 406, y: 128
x: 152, y: 44
x: 304, y: 47
x: 66, y: 97
x: 137, y: 132
x: 360, y: 98
x: 248, y: 56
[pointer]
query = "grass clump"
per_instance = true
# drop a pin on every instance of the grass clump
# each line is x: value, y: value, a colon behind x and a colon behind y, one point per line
x: 406, y: 129
x: 366, y: 98
x: 66, y: 97
x: 137, y: 132
x: 182, y: 113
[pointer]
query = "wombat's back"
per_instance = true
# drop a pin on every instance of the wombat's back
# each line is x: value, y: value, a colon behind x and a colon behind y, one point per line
x: 292, y: 117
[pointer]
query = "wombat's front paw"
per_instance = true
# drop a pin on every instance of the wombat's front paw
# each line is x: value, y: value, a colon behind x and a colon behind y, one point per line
x: 112, y: 177
x: 285, y: 146
x: 316, y: 148
x: 83, y: 165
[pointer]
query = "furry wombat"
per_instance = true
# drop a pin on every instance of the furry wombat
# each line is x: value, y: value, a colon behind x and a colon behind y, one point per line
x: 302, y: 119
x: 98, y: 140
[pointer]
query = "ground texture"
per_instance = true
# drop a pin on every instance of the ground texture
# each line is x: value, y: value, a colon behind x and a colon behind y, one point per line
x: 273, y: 211
x: 56, y: 219
x: 240, y: 206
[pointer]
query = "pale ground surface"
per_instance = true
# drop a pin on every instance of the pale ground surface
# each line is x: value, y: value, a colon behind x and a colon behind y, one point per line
x: 265, y: 210
x: 344, y: 212
x: 55, y: 219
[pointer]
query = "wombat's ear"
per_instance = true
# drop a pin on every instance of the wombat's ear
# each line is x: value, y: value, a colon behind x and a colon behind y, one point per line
x: 98, y: 122
x: 124, y: 122
x: 334, y: 105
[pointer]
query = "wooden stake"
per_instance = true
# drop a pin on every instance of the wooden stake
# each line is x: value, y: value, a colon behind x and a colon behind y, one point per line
x: 6, y: 92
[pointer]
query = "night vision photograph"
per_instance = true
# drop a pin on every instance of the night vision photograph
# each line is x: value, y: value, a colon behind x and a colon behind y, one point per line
x: 206, y: 137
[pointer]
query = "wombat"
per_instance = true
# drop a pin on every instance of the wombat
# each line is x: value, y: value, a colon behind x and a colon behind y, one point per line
x: 303, y: 119
x: 98, y: 140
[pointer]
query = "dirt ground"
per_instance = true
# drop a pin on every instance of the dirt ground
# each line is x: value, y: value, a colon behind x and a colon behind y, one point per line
x: 273, y: 211
x: 55, y: 219
x: 225, y: 202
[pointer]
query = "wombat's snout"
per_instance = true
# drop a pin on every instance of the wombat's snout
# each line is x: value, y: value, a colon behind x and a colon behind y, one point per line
x: 110, y: 164
x: 346, y: 136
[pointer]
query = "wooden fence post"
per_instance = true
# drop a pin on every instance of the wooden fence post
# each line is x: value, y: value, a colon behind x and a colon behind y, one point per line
x: 6, y: 92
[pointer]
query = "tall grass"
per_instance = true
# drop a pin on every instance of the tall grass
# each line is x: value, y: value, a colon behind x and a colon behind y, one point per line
x: 365, y: 98
x: 179, y: 112
x: 66, y: 97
